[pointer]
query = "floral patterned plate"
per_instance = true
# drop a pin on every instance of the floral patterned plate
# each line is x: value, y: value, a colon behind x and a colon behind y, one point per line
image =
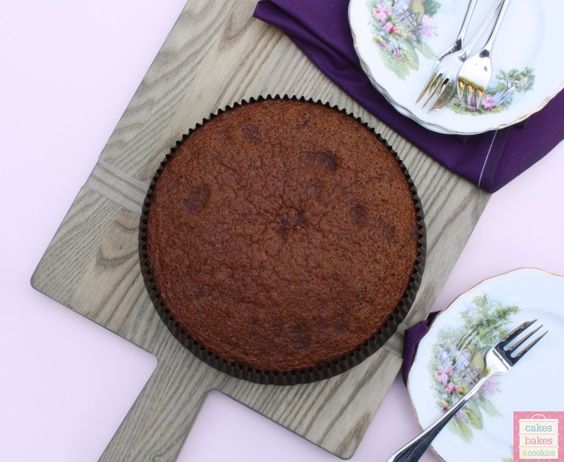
x: 397, y: 42
x: 450, y: 358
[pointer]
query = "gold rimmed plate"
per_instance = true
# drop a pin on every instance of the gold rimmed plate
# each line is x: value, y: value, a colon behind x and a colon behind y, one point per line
x: 397, y: 43
x: 450, y: 358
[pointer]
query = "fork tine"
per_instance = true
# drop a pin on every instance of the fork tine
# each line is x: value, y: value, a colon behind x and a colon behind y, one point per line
x: 439, y: 93
x: 520, y: 342
x: 430, y: 82
x: 479, y: 96
x: 435, y: 87
x: 432, y: 88
x: 515, y: 332
x: 524, y: 351
x: 464, y: 94
x: 469, y: 94
x: 445, y: 97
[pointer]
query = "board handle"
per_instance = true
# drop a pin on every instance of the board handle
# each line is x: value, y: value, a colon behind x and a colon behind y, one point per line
x: 156, y: 427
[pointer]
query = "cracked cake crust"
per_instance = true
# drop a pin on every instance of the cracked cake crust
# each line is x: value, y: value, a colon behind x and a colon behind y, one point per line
x: 281, y: 235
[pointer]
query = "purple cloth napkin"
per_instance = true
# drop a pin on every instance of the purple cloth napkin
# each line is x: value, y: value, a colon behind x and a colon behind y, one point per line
x: 411, y: 339
x: 490, y: 160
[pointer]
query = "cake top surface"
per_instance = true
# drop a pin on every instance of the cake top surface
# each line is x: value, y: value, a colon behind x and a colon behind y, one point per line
x: 281, y: 235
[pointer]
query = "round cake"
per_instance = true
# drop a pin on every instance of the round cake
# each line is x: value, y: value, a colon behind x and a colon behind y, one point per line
x: 282, y: 236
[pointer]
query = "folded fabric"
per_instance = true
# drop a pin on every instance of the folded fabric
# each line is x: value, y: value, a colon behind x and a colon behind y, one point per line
x: 411, y: 338
x: 490, y: 160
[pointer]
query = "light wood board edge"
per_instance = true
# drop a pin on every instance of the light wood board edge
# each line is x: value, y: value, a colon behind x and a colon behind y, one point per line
x: 91, y: 265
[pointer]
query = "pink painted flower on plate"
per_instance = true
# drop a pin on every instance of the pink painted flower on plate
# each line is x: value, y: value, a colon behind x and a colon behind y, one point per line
x: 390, y: 28
x: 488, y: 102
x: 381, y: 13
x: 427, y: 29
x: 490, y: 387
x: 451, y: 388
x: 443, y: 375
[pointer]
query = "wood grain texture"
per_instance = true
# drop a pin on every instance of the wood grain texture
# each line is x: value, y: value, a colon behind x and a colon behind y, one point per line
x: 217, y: 54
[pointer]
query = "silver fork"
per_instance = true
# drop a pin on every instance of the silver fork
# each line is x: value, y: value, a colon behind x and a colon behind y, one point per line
x: 442, y: 84
x: 475, y: 74
x: 499, y: 360
x: 438, y: 72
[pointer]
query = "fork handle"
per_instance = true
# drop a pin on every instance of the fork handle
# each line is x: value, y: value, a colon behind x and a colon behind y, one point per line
x: 486, y: 24
x: 459, y: 41
x: 487, y: 49
x: 465, y: 23
x: 413, y: 451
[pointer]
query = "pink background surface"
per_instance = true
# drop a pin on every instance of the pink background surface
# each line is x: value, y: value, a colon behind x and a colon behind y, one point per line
x: 69, y: 69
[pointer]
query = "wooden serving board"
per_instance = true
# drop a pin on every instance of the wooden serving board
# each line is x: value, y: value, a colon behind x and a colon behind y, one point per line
x: 217, y: 54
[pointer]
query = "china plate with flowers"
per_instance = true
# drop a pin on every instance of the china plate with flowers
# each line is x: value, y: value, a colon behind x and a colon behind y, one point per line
x: 450, y: 358
x: 397, y: 42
